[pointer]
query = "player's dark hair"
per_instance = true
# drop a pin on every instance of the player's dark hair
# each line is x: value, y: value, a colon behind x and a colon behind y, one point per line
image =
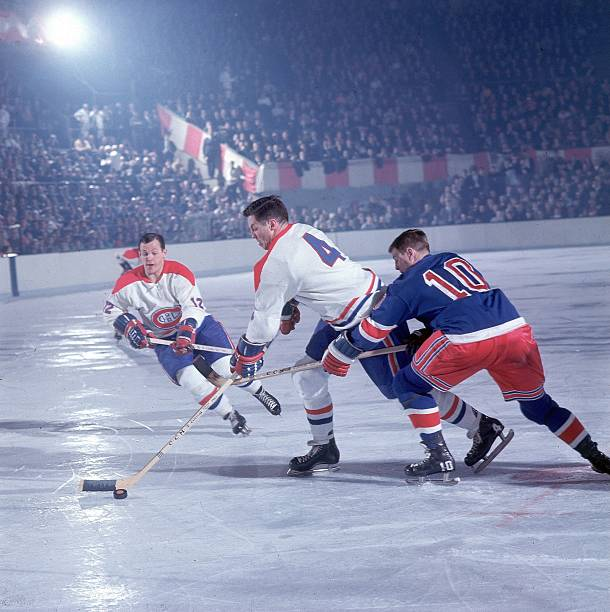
x: 414, y: 238
x: 149, y: 237
x: 267, y: 207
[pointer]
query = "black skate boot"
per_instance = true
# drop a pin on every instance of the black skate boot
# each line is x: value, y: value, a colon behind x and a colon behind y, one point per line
x: 438, y: 461
x: 323, y: 457
x: 598, y: 460
x: 238, y: 423
x: 489, y: 430
x: 268, y: 401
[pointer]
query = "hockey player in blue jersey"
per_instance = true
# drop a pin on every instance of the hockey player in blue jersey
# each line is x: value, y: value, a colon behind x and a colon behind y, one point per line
x: 474, y: 327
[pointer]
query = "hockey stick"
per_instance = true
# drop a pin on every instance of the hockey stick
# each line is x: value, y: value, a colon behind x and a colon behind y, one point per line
x: 130, y: 481
x: 216, y: 379
x: 197, y: 347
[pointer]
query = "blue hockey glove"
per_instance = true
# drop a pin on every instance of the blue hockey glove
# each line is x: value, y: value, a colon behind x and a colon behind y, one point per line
x: 339, y: 356
x: 291, y: 315
x: 247, y: 359
x: 133, y: 330
x: 185, y: 336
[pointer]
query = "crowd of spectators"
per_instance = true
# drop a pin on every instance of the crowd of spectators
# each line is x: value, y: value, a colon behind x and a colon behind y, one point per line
x: 424, y: 79
x: 54, y: 199
x: 415, y: 78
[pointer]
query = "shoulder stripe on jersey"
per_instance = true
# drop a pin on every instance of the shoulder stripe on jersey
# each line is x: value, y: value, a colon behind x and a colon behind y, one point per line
x: 133, y: 276
x: 353, y: 301
x: 175, y: 267
x: 258, y: 266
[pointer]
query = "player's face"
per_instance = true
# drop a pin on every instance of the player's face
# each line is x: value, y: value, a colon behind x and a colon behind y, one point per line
x: 262, y: 231
x: 403, y: 260
x: 152, y: 256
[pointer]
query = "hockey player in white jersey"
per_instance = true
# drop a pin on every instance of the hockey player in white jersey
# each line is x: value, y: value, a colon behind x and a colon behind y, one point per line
x: 165, y: 295
x: 302, y: 266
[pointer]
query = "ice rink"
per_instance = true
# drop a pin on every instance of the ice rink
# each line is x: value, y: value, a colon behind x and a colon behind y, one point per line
x: 218, y: 526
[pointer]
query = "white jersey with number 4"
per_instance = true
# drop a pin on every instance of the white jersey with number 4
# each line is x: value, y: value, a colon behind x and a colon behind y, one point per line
x: 161, y: 305
x: 304, y: 264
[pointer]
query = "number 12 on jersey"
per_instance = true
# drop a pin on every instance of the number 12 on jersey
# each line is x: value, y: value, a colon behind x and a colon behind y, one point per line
x: 329, y: 255
x: 467, y: 277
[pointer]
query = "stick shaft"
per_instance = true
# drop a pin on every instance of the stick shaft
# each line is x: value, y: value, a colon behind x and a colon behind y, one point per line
x: 130, y: 481
x: 197, y: 347
x: 317, y: 364
x: 216, y: 379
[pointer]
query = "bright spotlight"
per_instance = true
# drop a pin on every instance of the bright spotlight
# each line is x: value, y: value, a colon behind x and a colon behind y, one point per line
x: 64, y: 29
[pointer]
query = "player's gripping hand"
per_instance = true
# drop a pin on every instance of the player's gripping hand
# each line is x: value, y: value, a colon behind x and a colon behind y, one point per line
x: 185, y: 337
x: 339, y: 356
x: 132, y: 328
x: 291, y: 315
x: 247, y: 359
x: 416, y: 339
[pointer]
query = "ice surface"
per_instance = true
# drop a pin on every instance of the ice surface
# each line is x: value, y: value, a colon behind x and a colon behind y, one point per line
x: 217, y: 525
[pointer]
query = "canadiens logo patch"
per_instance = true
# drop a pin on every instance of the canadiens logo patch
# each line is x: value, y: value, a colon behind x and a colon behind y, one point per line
x: 166, y: 318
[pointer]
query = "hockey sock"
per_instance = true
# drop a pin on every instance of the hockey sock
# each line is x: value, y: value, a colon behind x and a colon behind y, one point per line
x: 251, y: 387
x: 320, y: 422
x: 561, y: 421
x: 424, y: 415
x: 312, y: 386
x: 427, y: 423
x: 456, y: 411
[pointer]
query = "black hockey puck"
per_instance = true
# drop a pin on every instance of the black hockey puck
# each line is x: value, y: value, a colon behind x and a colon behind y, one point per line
x: 120, y: 493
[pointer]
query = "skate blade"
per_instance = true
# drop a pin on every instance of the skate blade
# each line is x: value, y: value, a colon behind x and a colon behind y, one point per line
x: 506, y: 438
x: 246, y: 431
x: 319, y: 469
x: 446, y: 480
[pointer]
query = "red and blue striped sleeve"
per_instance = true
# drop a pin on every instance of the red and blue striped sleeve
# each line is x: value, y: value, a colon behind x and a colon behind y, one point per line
x: 390, y: 313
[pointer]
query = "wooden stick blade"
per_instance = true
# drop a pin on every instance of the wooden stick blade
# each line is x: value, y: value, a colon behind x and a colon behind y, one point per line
x: 97, y: 485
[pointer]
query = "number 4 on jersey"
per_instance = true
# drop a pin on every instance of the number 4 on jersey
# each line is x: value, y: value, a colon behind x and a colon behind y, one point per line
x: 327, y: 254
x: 464, y: 273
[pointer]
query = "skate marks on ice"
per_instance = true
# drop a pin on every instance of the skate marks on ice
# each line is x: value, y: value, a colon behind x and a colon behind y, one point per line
x: 218, y: 525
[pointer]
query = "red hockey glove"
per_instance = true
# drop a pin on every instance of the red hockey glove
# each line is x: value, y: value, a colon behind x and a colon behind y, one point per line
x: 339, y: 356
x: 247, y: 359
x: 185, y: 337
x: 291, y: 315
x: 133, y: 330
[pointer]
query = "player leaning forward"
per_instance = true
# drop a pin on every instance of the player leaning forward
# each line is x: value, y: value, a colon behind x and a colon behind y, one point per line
x: 475, y: 327
x: 302, y: 266
x: 166, y: 297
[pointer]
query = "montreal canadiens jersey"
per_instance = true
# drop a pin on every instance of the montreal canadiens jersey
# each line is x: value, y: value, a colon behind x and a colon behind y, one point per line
x: 445, y: 292
x: 304, y: 264
x: 161, y: 305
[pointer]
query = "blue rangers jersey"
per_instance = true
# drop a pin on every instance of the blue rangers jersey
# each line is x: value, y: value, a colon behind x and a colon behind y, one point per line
x: 445, y: 292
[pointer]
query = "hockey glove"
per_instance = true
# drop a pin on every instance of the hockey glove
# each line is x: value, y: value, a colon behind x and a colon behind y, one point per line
x: 185, y: 337
x: 133, y: 330
x: 415, y: 339
x: 339, y: 356
x: 247, y: 359
x: 291, y: 315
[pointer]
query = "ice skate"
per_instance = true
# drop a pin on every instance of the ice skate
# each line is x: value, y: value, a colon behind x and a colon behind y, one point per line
x: 238, y: 423
x: 483, y: 439
x: 438, y: 461
x: 323, y: 457
x: 598, y: 460
x: 268, y: 401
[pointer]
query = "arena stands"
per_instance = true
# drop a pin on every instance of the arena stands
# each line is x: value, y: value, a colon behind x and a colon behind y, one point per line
x: 426, y: 80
